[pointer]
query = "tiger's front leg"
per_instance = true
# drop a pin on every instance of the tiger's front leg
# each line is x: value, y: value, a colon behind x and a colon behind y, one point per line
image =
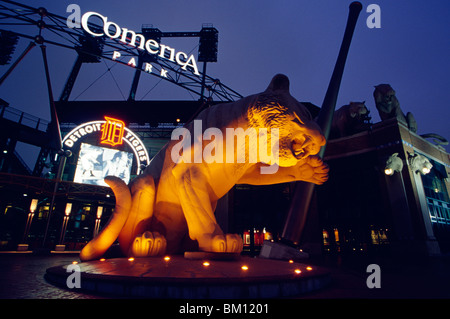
x: 198, y: 209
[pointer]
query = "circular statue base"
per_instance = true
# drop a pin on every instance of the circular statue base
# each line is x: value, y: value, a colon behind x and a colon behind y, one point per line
x: 198, y: 276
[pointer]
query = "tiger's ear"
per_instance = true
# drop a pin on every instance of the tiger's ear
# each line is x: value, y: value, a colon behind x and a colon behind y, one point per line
x: 280, y: 82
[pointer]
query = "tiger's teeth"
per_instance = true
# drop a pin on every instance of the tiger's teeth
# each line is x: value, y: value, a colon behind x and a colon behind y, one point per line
x: 299, y: 154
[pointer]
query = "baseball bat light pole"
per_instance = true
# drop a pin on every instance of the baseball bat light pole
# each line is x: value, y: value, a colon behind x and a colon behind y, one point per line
x: 296, y: 217
x: 53, y: 131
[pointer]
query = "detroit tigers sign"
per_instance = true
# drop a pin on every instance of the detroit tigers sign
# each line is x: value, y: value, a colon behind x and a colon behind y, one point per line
x: 112, y: 132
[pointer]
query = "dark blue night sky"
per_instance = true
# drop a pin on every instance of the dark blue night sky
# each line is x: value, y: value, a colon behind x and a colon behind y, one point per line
x: 258, y: 39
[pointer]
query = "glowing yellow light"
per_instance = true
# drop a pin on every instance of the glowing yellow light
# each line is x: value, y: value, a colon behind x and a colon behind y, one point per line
x: 131, y: 259
x: 206, y: 263
x: 244, y: 267
x: 102, y: 259
x: 389, y: 171
x: 33, y: 205
x: 74, y: 262
x: 297, y: 271
x: 99, y: 212
x: 178, y: 120
x: 291, y: 261
x: 167, y: 258
x: 68, y: 209
x: 308, y: 268
x: 426, y: 170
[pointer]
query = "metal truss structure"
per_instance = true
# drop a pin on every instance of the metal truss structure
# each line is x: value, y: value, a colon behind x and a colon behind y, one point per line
x: 47, y: 187
x: 43, y: 27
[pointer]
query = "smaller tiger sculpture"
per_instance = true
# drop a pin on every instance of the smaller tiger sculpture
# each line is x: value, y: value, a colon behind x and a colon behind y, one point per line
x: 350, y: 119
x: 393, y: 164
x: 388, y: 106
x: 419, y: 163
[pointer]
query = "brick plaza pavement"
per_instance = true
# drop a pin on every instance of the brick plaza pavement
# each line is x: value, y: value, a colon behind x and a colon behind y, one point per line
x: 22, y: 277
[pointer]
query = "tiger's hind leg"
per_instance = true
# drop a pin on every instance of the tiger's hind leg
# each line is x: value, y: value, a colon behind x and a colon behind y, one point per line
x: 138, y: 222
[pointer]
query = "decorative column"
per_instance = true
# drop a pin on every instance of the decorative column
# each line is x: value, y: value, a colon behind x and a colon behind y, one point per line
x: 67, y: 212
x: 420, y: 165
x: 97, y: 221
x: 33, y: 206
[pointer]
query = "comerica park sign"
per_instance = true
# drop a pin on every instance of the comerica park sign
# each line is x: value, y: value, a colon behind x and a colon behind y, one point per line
x: 133, y: 39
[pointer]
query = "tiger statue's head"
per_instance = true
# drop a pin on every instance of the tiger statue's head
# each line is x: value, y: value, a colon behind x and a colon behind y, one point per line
x: 299, y: 134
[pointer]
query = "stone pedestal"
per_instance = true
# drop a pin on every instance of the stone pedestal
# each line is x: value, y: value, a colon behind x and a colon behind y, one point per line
x: 178, y: 277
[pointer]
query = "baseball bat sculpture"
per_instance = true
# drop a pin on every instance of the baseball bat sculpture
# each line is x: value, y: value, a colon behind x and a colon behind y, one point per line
x: 297, y: 214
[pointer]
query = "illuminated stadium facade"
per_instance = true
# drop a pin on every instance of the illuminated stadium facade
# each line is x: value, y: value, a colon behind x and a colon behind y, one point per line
x: 364, y: 207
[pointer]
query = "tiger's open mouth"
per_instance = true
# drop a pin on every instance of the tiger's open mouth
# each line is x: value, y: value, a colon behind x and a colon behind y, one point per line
x: 300, y: 149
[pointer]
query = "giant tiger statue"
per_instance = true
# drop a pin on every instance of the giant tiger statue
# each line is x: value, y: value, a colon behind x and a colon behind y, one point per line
x: 170, y: 207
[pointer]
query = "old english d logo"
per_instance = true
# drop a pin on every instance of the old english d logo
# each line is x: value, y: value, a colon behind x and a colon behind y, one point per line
x: 112, y: 131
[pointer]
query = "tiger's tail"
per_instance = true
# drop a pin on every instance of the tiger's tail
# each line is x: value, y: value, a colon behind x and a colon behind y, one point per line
x: 100, y: 244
